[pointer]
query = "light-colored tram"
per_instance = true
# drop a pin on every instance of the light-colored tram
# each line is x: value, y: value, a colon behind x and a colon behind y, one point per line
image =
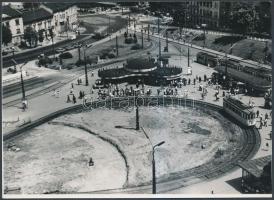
x: 240, y: 111
x: 257, y: 77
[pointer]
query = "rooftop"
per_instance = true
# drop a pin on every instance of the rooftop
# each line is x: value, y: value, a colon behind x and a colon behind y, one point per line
x: 58, y: 7
x: 10, y: 13
x: 35, y: 16
x: 239, y: 104
x: 256, y: 166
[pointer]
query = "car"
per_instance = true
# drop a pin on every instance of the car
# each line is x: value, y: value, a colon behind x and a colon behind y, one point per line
x: 89, y: 45
x: 72, y: 37
x: 69, y: 47
x: 60, y: 50
x: 77, y: 45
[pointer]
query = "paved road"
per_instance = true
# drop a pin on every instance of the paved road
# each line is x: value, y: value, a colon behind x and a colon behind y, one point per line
x: 47, y: 50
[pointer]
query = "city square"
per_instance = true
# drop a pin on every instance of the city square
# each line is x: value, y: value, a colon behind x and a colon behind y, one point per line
x: 126, y: 99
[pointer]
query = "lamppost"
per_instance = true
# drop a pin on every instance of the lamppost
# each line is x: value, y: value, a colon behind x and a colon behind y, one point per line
x: 85, y: 60
x: 22, y: 83
x: 204, y: 26
x: 153, y: 161
x: 13, y: 50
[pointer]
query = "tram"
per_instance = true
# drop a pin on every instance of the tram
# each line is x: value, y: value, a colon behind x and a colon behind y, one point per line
x: 206, y: 59
x: 257, y: 77
x: 240, y: 111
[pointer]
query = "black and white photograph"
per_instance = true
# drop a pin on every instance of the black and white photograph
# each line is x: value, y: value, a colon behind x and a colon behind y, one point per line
x: 136, y: 99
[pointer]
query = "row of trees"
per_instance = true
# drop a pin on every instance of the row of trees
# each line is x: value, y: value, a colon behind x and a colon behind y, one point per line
x: 239, y: 17
x: 31, y: 36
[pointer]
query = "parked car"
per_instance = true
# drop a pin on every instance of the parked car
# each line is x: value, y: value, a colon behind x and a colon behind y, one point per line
x: 69, y: 47
x: 72, y: 37
x: 60, y: 50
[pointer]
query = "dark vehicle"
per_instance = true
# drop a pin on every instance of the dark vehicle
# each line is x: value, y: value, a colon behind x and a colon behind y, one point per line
x: 99, y: 84
x: 207, y: 59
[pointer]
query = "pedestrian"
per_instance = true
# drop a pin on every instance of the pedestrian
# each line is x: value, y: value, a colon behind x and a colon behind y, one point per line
x: 266, y: 116
x: 261, y: 125
x: 68, y: 99
x: 194, y: 81
x: 265, y: 122
x: 205, y: 78
x: 200, y: 79
x: 57, y: 93
x: 74, y: 99
x: 189, y: 81
x: 258, y: 112
x: 71, y: 85
x: 80, y: 95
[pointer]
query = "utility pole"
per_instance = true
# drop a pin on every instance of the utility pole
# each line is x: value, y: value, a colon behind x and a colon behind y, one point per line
x: 137, y: 117
x: 158, y: 26
x: 79, y: 52
x: 148, y: 27
x: 117, y: 53
x: 166, y: 41
x: 67, y: 26
x: 22, y: 83
x: 142, y: 39
x: 188, y: 56
x: 109, y: 25
x: 159, y: 48
x: 86, y: 70
x: 129, y: 19
x: 51, y: 35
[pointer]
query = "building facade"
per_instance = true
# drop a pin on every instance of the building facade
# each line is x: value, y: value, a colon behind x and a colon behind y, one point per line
x: 12, y: 19
x: 65, y: 16
x: 39, y: 20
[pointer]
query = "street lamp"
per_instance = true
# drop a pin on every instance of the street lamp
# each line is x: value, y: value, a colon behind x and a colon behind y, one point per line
x: 86, y: 70
x: 22, y: 82
x: 153, y: 161
x: 13, y: 50
x: 153, y: 167
x: 204, y: 26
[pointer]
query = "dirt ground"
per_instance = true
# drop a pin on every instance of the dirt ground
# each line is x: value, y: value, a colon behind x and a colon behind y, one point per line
x: 54, y: 157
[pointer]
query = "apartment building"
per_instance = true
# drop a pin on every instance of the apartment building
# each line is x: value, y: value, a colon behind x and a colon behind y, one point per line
x: 40, y: 20
x: 64, y: 16
x: 12, y: 19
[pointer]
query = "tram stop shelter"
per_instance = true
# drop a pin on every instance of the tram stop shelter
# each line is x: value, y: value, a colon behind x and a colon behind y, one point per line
x: 256, y: 175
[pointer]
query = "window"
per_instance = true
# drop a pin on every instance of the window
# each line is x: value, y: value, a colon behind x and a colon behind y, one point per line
x: 17, y: 22
x: 18, y: 31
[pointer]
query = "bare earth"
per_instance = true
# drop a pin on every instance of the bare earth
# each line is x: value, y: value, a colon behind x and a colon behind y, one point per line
x: 55, y: 156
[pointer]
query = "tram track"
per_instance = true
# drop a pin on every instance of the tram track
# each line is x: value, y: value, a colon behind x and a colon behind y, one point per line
x: 246, y: 149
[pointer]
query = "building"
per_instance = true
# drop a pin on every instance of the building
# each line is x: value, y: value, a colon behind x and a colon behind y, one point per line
x: 256, y: 175
x: 64, y: 16
x: 215, y: 13
x: 40, y: 20
x: 12, y: 19
x: 14, y: 5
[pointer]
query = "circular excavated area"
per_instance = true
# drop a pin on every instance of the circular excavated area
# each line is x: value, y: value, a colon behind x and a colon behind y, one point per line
x: 200, y: 142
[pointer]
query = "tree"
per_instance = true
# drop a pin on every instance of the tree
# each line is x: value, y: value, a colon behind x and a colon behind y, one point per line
x: 134, y: 38
x: 30, y: 35
x: 6, y: 35
x: 240, y: 21
x: 41, y: 35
